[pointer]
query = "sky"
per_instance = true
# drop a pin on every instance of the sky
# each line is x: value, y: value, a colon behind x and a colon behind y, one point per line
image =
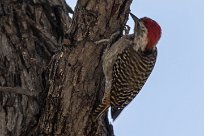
x: 172, y: 101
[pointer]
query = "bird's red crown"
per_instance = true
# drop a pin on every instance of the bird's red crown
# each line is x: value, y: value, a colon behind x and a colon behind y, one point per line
x: 153, y: 32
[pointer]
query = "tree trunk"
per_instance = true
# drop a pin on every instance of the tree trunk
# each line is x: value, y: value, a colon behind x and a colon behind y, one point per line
x: 51, y: 88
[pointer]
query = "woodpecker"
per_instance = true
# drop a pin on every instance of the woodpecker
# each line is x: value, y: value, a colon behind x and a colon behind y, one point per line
x: 127, y: 64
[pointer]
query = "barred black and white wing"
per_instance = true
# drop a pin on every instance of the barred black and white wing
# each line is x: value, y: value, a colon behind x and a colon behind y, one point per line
x: 130, y: 72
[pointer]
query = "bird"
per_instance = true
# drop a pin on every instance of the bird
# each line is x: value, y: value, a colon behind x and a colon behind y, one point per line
x: 127, y: 65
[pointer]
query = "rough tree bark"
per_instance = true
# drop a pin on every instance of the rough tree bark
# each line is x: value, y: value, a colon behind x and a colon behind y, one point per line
x: 48, y: 88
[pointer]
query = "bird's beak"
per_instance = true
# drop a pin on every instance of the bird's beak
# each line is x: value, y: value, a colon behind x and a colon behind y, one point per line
x: 137, y: 24
x: 134, y: 17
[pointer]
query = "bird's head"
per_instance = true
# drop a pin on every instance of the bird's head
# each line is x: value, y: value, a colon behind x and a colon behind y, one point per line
x: 147, y: 32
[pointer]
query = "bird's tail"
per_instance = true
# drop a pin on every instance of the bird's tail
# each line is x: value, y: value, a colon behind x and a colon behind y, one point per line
x: 101, y: 109
x: 115, y: 112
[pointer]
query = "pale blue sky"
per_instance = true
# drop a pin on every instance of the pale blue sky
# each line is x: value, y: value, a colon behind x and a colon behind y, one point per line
x: 172, y: 101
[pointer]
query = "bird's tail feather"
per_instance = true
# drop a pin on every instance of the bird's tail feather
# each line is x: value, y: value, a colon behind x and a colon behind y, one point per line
x: 115, y: 112
x: 101, y: 109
